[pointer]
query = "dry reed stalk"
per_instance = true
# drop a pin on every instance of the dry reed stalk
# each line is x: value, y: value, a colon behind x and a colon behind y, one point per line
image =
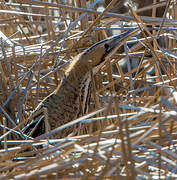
x: 131, y: 123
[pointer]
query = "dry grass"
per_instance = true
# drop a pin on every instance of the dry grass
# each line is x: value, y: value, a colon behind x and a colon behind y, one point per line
x: 131, y: 126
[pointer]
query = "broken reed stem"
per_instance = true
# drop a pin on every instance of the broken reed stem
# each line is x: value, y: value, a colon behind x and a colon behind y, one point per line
x: 136, y: 134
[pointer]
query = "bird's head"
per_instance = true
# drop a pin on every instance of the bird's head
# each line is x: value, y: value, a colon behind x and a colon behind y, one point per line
x: 98, y: 53
x: 102, y: 50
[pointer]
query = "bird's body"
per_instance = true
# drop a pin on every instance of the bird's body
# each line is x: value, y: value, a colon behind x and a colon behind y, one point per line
x: 64, y: 104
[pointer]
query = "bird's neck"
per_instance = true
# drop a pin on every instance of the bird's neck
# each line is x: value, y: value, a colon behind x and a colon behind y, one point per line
x: 74, y: 75
x: 77, y: 68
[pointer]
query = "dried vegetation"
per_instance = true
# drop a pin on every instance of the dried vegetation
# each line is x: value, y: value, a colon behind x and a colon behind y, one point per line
x: 131, y: 126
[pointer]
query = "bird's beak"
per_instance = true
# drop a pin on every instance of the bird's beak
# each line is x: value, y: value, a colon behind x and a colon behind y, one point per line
x: 115, y: 42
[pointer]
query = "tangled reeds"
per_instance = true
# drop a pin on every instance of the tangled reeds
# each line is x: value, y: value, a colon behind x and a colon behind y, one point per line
x: 129, y: 131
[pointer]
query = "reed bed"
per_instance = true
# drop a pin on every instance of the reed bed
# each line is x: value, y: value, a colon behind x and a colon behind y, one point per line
x: 130, y: 129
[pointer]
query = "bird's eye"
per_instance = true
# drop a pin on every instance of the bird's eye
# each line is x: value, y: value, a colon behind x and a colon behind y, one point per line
x: 106, y: 46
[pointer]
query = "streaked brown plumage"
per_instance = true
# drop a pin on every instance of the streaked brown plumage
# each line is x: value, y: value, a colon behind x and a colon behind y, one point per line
x: 63, y: 105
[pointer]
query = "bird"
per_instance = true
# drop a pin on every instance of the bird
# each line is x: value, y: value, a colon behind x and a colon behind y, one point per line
x: 64, y: 104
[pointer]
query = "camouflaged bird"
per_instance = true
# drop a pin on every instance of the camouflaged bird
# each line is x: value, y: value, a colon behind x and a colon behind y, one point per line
x: 63, y: 105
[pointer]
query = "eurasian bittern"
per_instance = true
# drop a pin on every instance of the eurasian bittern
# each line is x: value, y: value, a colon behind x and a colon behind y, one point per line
x: 63, y: 105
